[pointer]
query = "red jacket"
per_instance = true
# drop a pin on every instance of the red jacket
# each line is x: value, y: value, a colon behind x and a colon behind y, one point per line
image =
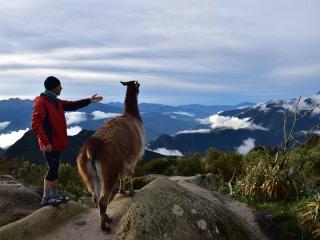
x: 49, y: 123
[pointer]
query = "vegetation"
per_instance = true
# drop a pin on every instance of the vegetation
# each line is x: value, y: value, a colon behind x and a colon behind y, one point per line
x: 285, y: 183
x: 33, y: 174
x: 308, y: 216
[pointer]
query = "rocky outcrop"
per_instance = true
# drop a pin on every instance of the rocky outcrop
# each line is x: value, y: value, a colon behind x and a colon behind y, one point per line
x: 167, y: 210
x: 41, y: 222
x: 16, y: 200
x: 175, y: 208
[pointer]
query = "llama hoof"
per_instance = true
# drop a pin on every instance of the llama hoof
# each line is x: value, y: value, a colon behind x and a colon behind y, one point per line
x: 105, y: 229
x: 108, y: 220
x: 121, y: 191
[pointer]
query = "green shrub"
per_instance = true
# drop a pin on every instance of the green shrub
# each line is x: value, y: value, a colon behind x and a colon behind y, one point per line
x: 69, y: 180
x: 223, y: 163
x: 30, y: 173
x: 10, y: 166
x: 189, y: 165
x: 157, y: 166
x: 33, y: 174
x: 270, y: 179
x: 309, y: 216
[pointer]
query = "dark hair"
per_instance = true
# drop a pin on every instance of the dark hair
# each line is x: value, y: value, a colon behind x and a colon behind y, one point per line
x: 51, y: 83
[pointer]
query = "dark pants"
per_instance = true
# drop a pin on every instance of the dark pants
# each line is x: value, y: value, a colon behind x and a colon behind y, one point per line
x: 53, y: 160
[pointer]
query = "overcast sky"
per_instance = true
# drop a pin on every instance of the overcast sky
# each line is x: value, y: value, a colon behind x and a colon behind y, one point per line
x: 181, y: 51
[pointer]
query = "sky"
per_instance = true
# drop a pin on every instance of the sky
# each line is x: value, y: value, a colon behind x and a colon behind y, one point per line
x: 181, y: 51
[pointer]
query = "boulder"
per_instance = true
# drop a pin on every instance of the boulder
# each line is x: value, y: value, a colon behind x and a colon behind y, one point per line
x: 16, y: 200
x: 167, y: 210
x: 40, y: 222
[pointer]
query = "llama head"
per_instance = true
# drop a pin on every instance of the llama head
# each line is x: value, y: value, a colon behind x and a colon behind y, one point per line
x: 132, y: 85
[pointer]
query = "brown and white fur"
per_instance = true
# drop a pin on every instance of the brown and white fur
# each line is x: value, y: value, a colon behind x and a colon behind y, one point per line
x: 112, y: 152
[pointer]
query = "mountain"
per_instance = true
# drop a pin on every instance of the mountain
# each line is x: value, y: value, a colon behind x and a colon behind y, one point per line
x: 262, y: 124
x: 15, y: 114
x: 28, y: 149
x: 1, y: 151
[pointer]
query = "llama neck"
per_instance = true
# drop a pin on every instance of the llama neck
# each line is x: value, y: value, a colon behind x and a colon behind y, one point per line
x: 131, y: 105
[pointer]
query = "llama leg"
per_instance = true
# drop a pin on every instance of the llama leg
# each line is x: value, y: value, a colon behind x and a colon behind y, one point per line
x: 94, y: 200
x: 121, y: 188
x: 103, y: 202
x: 95, y: 181
x: 102, y: 208
x: 131, y: 192
x: 131, y: 174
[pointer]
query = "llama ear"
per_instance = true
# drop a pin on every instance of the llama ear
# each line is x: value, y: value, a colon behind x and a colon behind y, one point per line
x: 124, y: 83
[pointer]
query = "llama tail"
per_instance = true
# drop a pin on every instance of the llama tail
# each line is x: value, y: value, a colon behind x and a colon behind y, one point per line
x: 90, y: 151
x: 84, y: 157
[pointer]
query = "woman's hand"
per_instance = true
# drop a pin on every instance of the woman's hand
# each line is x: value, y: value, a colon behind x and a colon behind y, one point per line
x: 48, y: 148
x: 95, y: 98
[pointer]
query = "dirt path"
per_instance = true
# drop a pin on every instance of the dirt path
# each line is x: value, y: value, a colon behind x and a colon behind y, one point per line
x: 87, y: 225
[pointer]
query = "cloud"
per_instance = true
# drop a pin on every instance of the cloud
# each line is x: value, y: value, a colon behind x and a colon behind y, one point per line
x: 8, y: 139
x: 73, y: 130
x: 246, y: 146
x: 184, y: 113
x: 3, y: 125
x: 298, y: 71
x: 310, y: 103
x: 217, y: 121
x: 214, y: 52
x: 97, y: 115
x: 194, y: 131
x: 75, y: 117
x: 316, y: 111
x: 263, y: 107
x: 167, y: 152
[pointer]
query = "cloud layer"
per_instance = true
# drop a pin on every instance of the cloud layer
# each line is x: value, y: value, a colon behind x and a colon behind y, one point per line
x: 8, y: 139
x: 168, y: 152
x: 194, y: 131
x: 75, y: 117
x: 3, y: 125
x: 216, y: 121
x: 182, y: 51
x: 72, y: 131
x: 246, y: 146
x: 98, y: 115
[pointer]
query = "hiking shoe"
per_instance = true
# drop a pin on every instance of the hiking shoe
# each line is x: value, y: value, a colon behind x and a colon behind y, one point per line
x: 51, y: 201
x: 63, y: 198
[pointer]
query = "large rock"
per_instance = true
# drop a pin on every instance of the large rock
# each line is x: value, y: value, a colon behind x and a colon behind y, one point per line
x: 16, y: 201
x: 40, y: 222
x: 167, y: 210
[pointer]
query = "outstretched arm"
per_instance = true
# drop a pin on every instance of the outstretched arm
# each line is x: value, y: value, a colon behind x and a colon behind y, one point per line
x: 74, y: 105
x: 95, y: 98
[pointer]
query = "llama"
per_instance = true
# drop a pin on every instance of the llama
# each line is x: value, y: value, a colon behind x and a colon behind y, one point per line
x: 112, y: 152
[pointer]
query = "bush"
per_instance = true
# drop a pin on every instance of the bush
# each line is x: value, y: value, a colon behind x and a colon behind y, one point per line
x: 224, y: 164
x: 157, y: 166
x: 189, y: 165
x: 30, y: 173
x: 308, y: 216
x: 10, y: 166
x: 69, y: 180
x: 33, y: 174
x: 270, y: 179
